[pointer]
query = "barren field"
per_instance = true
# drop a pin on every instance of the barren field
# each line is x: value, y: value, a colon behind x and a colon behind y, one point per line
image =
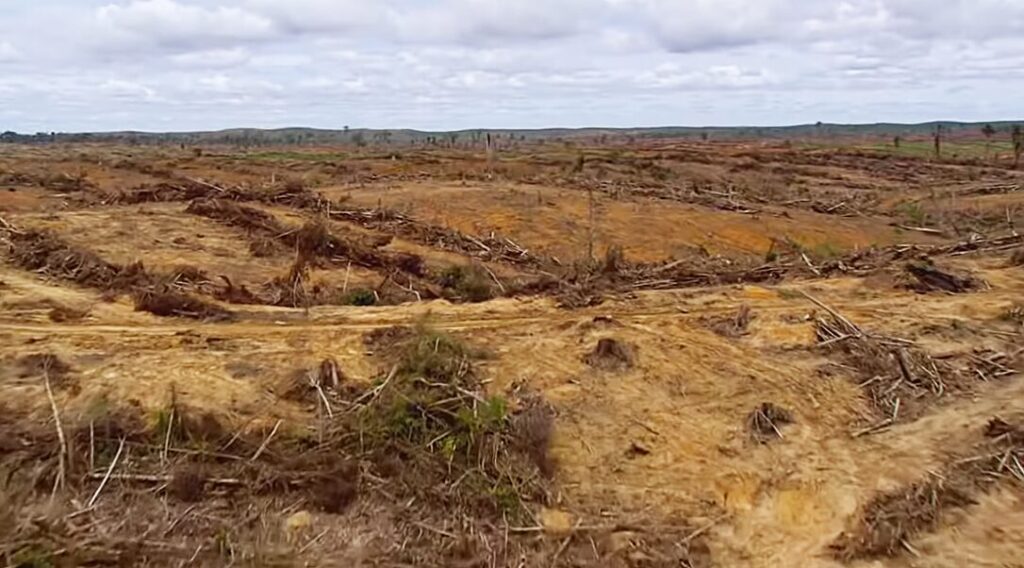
x: 657, y: 354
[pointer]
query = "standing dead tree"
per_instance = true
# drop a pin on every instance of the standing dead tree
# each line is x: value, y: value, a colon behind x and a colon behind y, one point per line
x: 988, y: 132
x: 1018, y: 145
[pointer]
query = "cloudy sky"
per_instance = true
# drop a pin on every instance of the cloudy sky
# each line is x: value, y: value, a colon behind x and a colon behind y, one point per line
x: 88, y: 65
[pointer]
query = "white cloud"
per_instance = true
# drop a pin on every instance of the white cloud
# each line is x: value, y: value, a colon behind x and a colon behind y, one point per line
x: 712, y: 78
x: 303, y: 16
x: 128, y: 90
x: 8, y: 53
x: 212, y: 58
x: 112, y: 64
x: 180, y: 25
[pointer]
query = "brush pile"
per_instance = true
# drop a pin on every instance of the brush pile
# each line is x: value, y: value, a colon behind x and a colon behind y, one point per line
x: 889, y: 522
x: 927, y: 277
x: 46, y: 253
x: 899, y: 378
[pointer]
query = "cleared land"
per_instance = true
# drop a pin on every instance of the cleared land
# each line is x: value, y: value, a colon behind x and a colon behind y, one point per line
x: 656, y: 354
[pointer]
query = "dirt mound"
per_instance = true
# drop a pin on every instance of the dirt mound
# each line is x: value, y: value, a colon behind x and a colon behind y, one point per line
x: 306, y: 385
x: 611, y: 355
x: 385, y: 341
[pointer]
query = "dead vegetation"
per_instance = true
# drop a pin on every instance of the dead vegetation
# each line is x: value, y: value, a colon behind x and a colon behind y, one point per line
x: 47, y: 254
x: 425, y: 441
x: 60, y: 314
x: 888, y: 524
x: 164, y: 301
x: 928, y: 278
x: 731, y: 326
x: 899, y: 378
x: 611, y: 355
x: 766, y: 420
x: 409, y: 454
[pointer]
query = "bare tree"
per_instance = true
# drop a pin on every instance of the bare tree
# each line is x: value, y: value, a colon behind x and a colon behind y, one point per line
x: 989, y: 132
x: 1018, y: 145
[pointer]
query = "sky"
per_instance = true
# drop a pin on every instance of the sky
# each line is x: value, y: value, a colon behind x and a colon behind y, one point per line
x: 176, y: 65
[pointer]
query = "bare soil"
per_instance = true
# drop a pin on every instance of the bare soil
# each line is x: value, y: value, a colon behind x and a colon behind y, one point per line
x: 660, y: 354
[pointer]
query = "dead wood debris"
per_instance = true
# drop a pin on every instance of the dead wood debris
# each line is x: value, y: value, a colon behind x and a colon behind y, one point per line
x: 928, y: 278
x: 899, y: 378
x: 61, y: 313
x: 489, y: 248
x: 611, y: 355
x: 314, y: 245
x: 167, y: 302
x: 731, y: 326
x: 889, y: 523
x: 46, y: 253
x: 764, y: 422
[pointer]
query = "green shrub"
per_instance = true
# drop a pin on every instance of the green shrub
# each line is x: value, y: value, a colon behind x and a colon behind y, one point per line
x: 360, y: 297
x: 470, y: 282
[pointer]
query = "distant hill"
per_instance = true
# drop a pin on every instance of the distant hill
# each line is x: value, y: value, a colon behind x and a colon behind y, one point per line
x: 314, y: 136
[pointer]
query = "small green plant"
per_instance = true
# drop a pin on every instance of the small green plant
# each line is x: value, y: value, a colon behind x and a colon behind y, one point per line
x: 787, y: 294
x: 432, y: 410
x: 32, y: 557
x: 360, y: 297
x: 914, y: 213
x: 470, y: 282
x: 434, y: 355
x: 826, y: 250
x: 506, y: 497
x: 486, y: 418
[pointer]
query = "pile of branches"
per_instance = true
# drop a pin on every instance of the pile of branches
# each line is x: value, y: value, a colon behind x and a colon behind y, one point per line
x: 928, y: 277
x: 586, y: 283
x: 165, y: 295
x: 870, y: 260
x: 899, y: 378
x: 181, y: 190
x: 492, y: 247
x: 889, y: 522
x: 313, y: 241
x: 489, y: 248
